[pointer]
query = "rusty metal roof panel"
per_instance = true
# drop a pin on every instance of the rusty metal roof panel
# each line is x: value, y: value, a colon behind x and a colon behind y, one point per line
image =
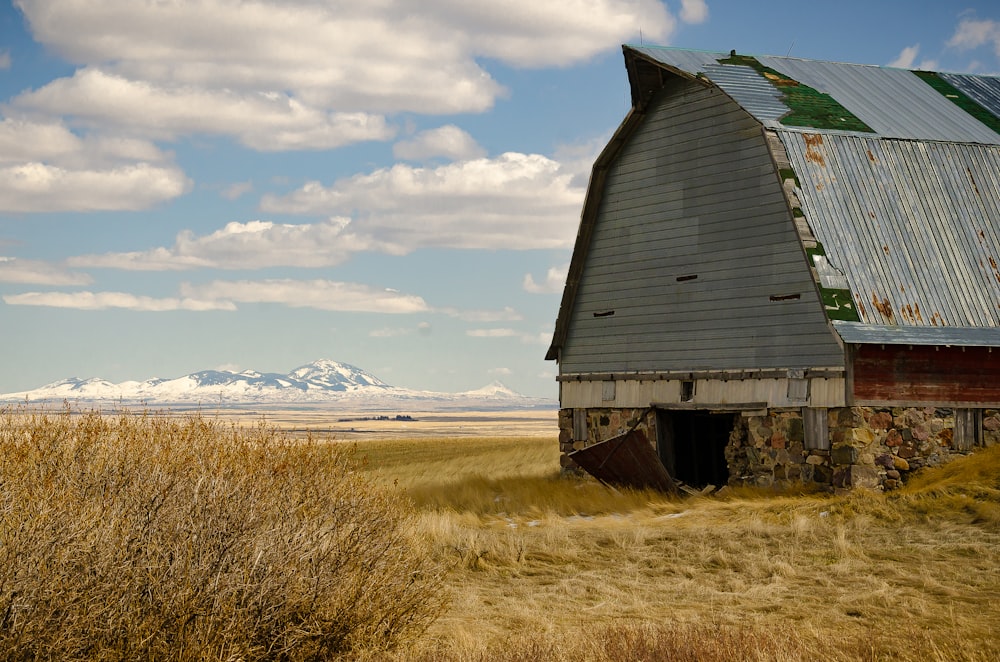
x: 985, y: 90
x: 913, y: 226
x: 627, y: 460
x: 949, y: 336
x: 895, y: 103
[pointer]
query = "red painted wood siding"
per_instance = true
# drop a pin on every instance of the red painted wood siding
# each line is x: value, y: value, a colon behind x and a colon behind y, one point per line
x: 932, y: 375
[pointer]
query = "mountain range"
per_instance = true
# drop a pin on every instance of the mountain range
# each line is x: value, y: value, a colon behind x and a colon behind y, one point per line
x: 322, y: 382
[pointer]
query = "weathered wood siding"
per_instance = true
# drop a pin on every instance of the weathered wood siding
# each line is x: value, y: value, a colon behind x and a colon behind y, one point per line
x: 694, y: 262
x: 934, y: 376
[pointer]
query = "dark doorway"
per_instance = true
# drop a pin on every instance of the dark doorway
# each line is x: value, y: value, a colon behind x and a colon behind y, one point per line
x: 692, y: 445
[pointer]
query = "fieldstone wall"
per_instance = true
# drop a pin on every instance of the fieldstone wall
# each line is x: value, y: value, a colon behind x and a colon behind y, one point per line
x: 769, y: 451
x: 602, y: 424
x: 871, y: 448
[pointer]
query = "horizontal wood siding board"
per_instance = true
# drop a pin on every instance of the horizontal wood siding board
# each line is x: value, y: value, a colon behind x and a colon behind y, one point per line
x: 694, y: 192
x: 899, y: 373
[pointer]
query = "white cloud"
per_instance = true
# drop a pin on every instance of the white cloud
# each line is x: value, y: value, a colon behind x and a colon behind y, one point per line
x: 298, y: 74
x: 906, y: 57
x: 34, y: 272
x: 251, y: 245
x: 105, y: 300
x: 531, y: 33
x: 500, y: 371
x: 973, y: 33
x: 555, y: 278
x: 514, y: 201
x: 46, y: 167
x: 35, y: 187
x: 694, y: 11
x: 447, y: 141
x: 265, y: 121
x: 319, y: 294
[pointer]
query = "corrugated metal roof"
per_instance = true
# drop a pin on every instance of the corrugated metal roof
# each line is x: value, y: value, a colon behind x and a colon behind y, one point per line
x: 985, y: 90
x: 959, y: 336
x: 914, y: 226
x: 749, y: 89
x: 893, y: 102
x: 691, y: 62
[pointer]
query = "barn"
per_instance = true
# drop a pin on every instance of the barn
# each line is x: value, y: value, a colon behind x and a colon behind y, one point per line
x: 786, y: 271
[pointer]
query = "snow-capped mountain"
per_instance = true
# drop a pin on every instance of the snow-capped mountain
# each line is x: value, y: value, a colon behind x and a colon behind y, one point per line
x: 319, y: 382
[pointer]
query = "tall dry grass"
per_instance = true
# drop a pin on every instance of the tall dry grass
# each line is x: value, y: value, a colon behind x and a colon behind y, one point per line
x: 557, y: 569
x: 135, y: 536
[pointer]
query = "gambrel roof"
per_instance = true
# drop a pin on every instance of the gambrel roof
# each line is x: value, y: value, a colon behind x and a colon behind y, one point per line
x: 892, y: 178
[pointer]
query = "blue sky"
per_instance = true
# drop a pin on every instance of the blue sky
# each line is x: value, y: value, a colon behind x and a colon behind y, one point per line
x: 391, y: 184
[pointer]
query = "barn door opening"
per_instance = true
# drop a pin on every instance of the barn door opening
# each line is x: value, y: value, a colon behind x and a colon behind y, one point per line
x: 692, y: 445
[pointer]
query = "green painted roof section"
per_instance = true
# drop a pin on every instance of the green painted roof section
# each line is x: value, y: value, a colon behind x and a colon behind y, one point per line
x: 810, y: 108
x: 959, y: 98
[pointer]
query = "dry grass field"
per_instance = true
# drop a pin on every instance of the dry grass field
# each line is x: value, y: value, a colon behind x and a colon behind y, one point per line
x: 550, y: 568
x: 534, y: 566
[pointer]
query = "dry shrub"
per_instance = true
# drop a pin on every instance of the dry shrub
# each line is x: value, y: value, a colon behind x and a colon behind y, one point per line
x: 139, y: 536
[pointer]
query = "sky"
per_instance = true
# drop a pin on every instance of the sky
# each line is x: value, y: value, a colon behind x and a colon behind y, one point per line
x: 394, y: 184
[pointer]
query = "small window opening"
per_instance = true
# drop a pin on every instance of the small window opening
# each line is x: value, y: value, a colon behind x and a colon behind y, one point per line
x: 785, y: 297
x: 681, y: 279
x: 687, y: 391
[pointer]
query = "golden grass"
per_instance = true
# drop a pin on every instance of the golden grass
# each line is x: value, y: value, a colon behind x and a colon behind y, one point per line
x: 142, y: 537
x: 550, y: 568
x: 136, y: 536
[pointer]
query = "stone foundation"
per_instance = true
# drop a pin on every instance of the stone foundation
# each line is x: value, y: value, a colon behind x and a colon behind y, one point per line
x: 870, y: 448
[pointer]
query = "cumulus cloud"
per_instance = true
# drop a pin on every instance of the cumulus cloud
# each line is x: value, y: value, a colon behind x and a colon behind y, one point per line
x: 906, y: 57
x: 694, y: 11
x: 106, y: 300
x: 319, y: 294
x: 513, y: 201
x: 251, y: 245
x: 35, y: 272
x: 555, y: 277
x: 35, y: 187
x: 265, y: 121
x: 297, y: 74
x: 973, y: 33
x: 46, y: 167
x: 447, y: 141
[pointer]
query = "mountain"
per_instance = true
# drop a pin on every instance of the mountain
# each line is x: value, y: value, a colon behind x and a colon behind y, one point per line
x: 322, y: 382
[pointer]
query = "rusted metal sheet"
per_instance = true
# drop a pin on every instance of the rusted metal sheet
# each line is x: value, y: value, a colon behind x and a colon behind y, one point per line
x: 627, y: 460
x: 941, y: 376
x: 911, y: 225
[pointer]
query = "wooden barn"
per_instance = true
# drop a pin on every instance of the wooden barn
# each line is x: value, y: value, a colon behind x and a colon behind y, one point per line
x: 786, y: 271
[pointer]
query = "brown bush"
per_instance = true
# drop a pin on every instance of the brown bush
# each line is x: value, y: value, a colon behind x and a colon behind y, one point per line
x: 141, y: 536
